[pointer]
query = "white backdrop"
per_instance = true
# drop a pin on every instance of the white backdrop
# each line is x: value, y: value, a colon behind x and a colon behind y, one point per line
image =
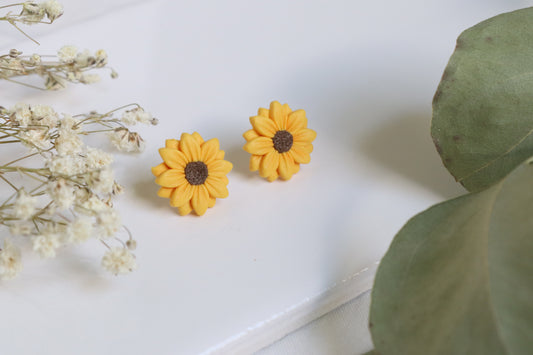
x: 271, y: 256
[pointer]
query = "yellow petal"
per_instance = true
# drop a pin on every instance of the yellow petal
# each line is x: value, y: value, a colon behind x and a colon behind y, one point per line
x: 296, y: 120
x: 200, y: 199
x: 264, y: 126
x: 165, y: 192
x: 250, y: 134
x: 269, y: 163
x: 263, y: 112
x: 210, y: 150
x: 255, y: 161
x: 300, y: 156
x: 285, y: 110
x: 286, y: 166
x: 157, y: 170
x: 185, y: 209
x: 171, y: 178
x: 276, y: 114
x: 182, y: 195
x: 198, y: 138
x: 304, y: 135
x: 219, y: 168
x: 272, y: 177
x: 220, y: 155
x: 303, y: 147
x: 218, y: 179
x: 259, y: 146
x: 216, y: 189
x: 173, y: 158
x: 190, y: 147
x: 212, y: 202
x: 296, y: 168
x: 172, y: 143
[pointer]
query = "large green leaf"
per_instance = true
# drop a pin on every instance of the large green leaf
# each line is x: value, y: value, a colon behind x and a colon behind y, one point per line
x: 483, y: 109
x: 458, y: 278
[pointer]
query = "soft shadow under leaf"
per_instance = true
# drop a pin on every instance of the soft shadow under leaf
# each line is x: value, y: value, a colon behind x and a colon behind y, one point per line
x: 457, y: 277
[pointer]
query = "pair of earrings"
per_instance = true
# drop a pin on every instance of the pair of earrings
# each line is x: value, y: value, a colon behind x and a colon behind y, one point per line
x: 193, y: 172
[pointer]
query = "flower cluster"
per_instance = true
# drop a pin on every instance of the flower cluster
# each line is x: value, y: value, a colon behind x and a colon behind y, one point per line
x: 71, y: 65
x: 32, y: 12
x: 66, y: 187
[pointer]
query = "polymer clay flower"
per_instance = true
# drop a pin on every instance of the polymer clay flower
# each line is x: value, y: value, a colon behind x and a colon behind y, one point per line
x: 193, y: 173
x: 279, y: 141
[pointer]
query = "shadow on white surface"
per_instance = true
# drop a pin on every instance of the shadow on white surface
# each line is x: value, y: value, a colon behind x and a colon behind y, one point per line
x: 403, y: 145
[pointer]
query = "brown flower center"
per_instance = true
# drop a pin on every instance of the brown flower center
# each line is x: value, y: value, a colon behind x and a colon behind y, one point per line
x: 282, y: 141
x: 196, y: 172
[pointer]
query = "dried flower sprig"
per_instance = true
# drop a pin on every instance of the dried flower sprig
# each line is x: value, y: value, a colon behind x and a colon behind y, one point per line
x: 32, y: 13
x: 62, y: 188
x: 70, y: 65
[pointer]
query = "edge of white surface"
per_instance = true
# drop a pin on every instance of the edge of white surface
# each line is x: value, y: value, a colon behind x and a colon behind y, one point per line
x: 296, y: 316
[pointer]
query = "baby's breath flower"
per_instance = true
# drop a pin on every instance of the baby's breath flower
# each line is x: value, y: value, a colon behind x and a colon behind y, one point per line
x: 66, y: 165
x: 80, y: 229
x: 10, y: 261
x: 67, y: 54
x: 36, y: 138
x: 62, y: 193
x: 127, y: 141
x: 109, y: 222
x: 52, y: 8
x: 24, y: 228
x: 101, y: 58
x: 31, y: 13
x: 46, y: 244
x: 44, y: 115
x: 89, y: 78
x: 68, y: 141
x: 97, y: 159
x: 24, y: 206
x: 119, y: 261
x: 101, y: 180
x: 21, y: 114
x: 137, y: 115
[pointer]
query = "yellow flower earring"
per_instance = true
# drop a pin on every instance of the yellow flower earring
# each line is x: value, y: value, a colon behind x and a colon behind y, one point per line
x: 279, y: 141
x: 193, y: 173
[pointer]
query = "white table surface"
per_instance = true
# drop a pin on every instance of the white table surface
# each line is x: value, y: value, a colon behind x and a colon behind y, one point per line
x: 365, y: 72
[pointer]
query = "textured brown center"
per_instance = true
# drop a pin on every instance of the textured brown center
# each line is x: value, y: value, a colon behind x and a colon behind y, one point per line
x: 196, y: 173
x: 282, y: 141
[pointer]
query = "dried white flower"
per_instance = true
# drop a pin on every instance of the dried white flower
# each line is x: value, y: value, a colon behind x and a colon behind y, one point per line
x: 119, y: 261
x: 62, y: 193
x: 97, y: 159
x: 24, y: 206
x: 127, y: 141
x: 36, y: 138
x: 89, y: 78
x: 52, y: 8
x: 21, y: 228
x: 80, y: 229
x: 137, y: 115
x: 66, y: 165
x: 31, y: 13
x: 101, y: 58
x: 21, y: 113
x: 108, y: 222
x: 44, y: 115
x: 46, y: 244
x: 94, y: 204
x: 67, y: 54
x: 68, y: 141
x: 10, y: 261
x: 101, y: 180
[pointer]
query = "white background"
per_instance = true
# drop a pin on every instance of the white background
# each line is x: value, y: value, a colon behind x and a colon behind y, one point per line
x: 365, y: 72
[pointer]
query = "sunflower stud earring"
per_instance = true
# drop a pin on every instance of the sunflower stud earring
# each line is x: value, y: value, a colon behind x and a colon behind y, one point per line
x: 279, y: 141
x: 193, y: 173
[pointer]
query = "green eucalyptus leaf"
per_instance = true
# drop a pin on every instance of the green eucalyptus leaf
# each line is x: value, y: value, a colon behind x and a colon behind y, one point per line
x: 483, y: 109
x: 458, y: 277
